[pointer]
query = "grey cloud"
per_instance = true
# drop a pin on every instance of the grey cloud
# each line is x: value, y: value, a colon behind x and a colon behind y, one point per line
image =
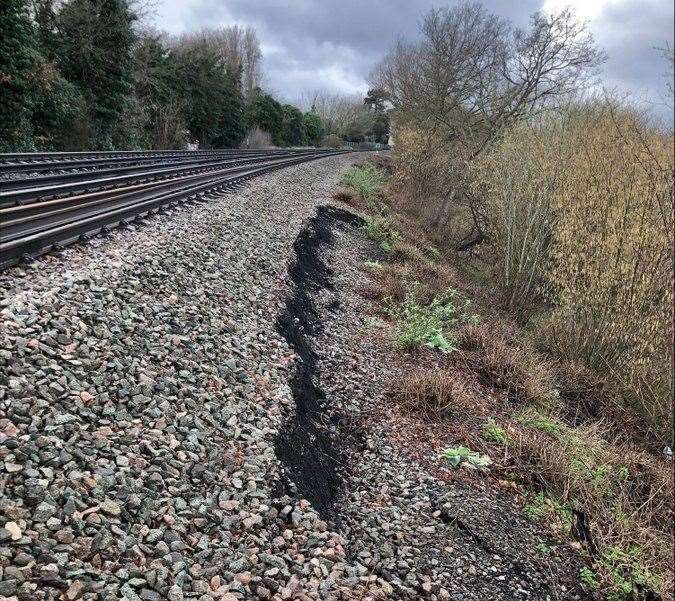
x: 334, y: 44
x: 630, y: 32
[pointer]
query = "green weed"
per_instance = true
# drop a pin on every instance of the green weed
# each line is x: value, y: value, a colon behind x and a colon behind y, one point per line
x: 588, y: 578
x: 366, y: 180
x: 380, y: 230
x: 428, y: 325
x: 627, y: 572
x: 544, y: 506
x: 494, y: 433
x: 432, y: 253
x: 540, y: 422
x: 456, y: 455
x: 543, y: 549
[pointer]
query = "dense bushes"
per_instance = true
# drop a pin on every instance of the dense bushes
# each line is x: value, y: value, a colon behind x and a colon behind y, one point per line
x: 575, y: 201
x: 579, y: 208
x: 17, y: 62
x: 549, y: 423
x: 567, y: 211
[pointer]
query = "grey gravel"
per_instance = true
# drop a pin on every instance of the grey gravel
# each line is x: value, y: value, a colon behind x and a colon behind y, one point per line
x: 142, y: 386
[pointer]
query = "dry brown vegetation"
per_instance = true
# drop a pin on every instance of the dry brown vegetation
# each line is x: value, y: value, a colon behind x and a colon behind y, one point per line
x: 552, y: 212
x: 562, y: 432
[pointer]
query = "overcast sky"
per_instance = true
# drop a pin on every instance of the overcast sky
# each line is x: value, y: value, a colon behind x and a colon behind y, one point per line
x: 333, y: 44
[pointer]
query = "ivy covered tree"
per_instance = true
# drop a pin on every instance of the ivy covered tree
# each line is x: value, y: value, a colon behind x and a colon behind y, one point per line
x: 74, y: 75
x: 18, y: 59
x: 213, y: 104
x: 60, y: 117
x: 95, y: 53
x: 376, y: 102
x: 160, y: 107
x: 267, y: 114
x: 314, y: 128
x: 293, y: 133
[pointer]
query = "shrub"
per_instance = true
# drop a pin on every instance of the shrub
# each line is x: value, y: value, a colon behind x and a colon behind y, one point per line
x: 331, y: 141
x: 518, y: 180
x: 366, y: 180
x: 581, y: 216
x: 381, y: 231
x: 257, y: 138
x: 429, y: 176
x: 494, y: 433
x: 435, y: 392
x: 612, y: 258
x: 418, y: 325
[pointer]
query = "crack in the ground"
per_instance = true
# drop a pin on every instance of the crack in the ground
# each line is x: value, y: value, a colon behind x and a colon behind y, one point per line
x: 308, y: 452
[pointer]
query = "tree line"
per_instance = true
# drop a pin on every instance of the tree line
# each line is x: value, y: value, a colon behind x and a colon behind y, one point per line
x: 86, y: 74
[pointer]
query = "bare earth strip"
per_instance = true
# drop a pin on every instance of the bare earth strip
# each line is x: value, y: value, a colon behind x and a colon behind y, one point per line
x: 146, y: 387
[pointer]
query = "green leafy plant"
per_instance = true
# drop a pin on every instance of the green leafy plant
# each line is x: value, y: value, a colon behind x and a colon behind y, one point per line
x: 494, y: 433
x: 380, y: 230
x: 540, y: 422
x: 626, y: 572
x: 544, y: 506
x: 432, y: 253
x: 428, y: 325
x: 588, y: 578
x: 455, y: 455
x: 542, y: 548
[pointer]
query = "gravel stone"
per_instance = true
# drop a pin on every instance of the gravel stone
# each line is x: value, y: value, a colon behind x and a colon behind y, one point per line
x: 144, y: 387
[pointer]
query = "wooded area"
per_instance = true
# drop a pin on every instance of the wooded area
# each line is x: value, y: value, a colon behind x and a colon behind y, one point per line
x: 90, y: 75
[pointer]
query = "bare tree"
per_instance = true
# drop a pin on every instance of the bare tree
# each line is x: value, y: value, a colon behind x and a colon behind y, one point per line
x: 472, y: 74
x: 341, y: 114
x: 669, y: 57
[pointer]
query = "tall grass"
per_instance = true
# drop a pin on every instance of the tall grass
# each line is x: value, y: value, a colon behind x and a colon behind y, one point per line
x: 367, y: 180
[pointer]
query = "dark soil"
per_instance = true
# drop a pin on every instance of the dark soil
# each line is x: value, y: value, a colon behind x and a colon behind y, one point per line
x: 308, y: 451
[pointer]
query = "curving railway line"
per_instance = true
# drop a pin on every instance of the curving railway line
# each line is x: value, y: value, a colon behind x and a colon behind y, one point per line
x: 50, y: 200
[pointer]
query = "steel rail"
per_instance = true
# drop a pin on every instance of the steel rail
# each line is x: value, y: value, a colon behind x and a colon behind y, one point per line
x: 37, y: 193
x: 35, y: 162
x: 67, y: 166
x: 19, y: 220
x: 25, y: 236
x: 148, y: 165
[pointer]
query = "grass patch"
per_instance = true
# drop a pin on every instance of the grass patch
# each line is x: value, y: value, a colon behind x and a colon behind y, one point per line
x: 494, y: 433
x: 438, y: 393
x: 366, y: 180
x: 506, y: 365
x: 533, y: 418
x: 623, y: 494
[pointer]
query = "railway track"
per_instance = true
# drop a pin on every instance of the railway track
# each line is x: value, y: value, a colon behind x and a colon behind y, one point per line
x: 70, y: 197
